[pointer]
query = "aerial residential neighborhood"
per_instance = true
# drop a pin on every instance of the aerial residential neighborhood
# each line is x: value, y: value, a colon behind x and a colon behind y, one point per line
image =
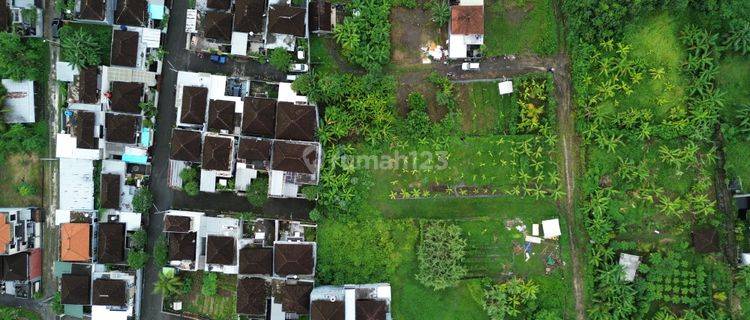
x: 374, y: 159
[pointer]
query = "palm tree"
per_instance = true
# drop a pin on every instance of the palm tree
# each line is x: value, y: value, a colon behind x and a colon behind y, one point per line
x: 80, y: 48
x: 168, y: 284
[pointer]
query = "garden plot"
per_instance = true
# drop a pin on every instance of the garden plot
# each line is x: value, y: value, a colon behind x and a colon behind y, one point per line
x: 519, y: 26
x: 220, y: 306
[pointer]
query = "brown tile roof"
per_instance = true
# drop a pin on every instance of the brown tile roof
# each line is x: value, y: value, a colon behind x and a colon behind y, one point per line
x: 259, y: 117
x: 110, y: 191
x: 219, y: 4
x: 296, y: 122
x: 121, y: 128
x: 255, y: 260
x: 194, y: 105
x: 111, y: 240
x: 75, y: 242
x: 294, y: 157
x: 181, y: 246
x: 35, y: 261
x: 253, y: 150
x: 15, y: 267
x: 320, y: 16
x: 705, y: 239
x: 467, y: 19
x: 371, y: 310
x: 293, y: 259
x: 186, y: 145
x: 296, y: 297
x: 88, y: 85
x: 248, y: 15
x: 109, y: 292
x: 92, y: 9
x: 177, y: 223
x: 4, y: 233
x: 220, y: 250
x: 217, y: 153
x: 131, y: 12
x: 83, y: 130
x: 218, y: 25
x: 220, y: 115
x: 327, y: 310
x: 252, y: 294
x: 124, y: 48
x: 75, y: 289
x: 126, y: 96
x: 287, y: 20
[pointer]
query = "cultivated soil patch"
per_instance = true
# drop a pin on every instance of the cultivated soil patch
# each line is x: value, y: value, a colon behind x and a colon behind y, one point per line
x: 19, y: 168
x: 412, y: 29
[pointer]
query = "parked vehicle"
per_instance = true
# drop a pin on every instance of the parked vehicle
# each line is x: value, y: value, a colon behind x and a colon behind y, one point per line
x: 470, y: 66
x: 299, y: 67
x: 218, y: 59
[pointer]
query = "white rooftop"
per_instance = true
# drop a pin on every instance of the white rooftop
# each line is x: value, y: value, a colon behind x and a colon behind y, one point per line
x: 505, y: 87
x: 629, y: 265
x: 19, y: 102
x: 66, y: 147
x: 551, y: 228
x: 65, y: 71
x: 76, y: 184
x: 239, y: 43
x: 287, y: 94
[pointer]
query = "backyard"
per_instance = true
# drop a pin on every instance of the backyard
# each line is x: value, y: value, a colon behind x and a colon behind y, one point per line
x: 220, y: 306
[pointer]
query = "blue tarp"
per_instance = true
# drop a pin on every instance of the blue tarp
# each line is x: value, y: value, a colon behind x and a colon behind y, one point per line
x: 137, y: 159
x: 146, y: 137
x: 156, y: 11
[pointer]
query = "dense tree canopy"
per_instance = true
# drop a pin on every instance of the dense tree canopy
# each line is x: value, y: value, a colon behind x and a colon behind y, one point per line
x: 365, y: 35
x: 22, y: 58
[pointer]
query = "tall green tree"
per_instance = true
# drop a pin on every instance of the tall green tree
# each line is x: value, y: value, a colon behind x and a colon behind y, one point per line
x: 168, y: 284
x: 22, y: 58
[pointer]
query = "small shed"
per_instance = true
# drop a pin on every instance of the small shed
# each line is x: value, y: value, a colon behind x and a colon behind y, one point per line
x: 551, y: 228
x: 19, y: 101
x: 505, y: 87
x: 629, y: 265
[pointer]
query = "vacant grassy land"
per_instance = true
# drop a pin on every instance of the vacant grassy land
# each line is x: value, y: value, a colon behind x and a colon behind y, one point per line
x: 734, y: 79
x: 519, y: 26
x: 483, y: 110
x: 19, y: 169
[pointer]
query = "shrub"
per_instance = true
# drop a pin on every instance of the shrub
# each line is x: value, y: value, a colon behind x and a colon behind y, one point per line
x: 139, y: 239
x: 440, y: 254
x: 79, y: 47
x: 143, y: 200
x: 26, y: 189
x: 57, y: 305
x: 137, y: 259
x: 257, y: 191
x: 440, y: 12
x: 365, y: 38
x: 280, y: 59
x: 168, y: 284
x: 209, y: 284
x: 161, y: 253
x: 190, y: 181
x: 191, y: 188
x: 509, y: 299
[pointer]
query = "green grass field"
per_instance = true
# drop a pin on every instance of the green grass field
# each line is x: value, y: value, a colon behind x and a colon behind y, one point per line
x: 734, y: 79
x: 519, y: 26
x: 483, y: 110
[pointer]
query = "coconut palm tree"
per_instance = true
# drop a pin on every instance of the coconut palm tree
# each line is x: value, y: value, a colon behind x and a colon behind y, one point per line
x: 168, y: 284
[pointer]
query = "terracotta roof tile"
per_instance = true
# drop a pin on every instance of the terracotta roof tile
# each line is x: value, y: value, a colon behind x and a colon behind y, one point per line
x: 218, y: 25
x: 217, y: 153
x: 75, y: 242
x: 259, y: 117
x: 220, y: 250
x: 294, y: 157
x: 252, y: 294
x: 194, y: 105
x: 4, y: 233
x: 182, y: 246
x: 293, y: 259
x: 296, y: 122
x: 88, y: 85
x: 467, y: 20
x: 177, y: 223
x: 121, y: 128
x: 248, y: 15
x: 83, y: 129
x: 371, y: 310
x: 111, y: 240
x: 254, y: 151
x: 255, y: 260
x: 109, y: 292
x: 110, y: 191
x: 126, y: 96
x: 124, y: 48
x: 287, y: 20
x: 15, y: 267
x: 131, y: 12
x: 296, y: 297
x: 221, y: 115
x: 327, y: 310
x: 92, y: 9
x: 320, y: 16
x: 75, y: 289
x: 186, y: 145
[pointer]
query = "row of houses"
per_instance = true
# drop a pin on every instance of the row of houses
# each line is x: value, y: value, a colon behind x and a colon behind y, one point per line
x: 249, y: 27
x: 20, y: 251
x: 274, y: 261
x: 103, y: 146
x: 234, y: 131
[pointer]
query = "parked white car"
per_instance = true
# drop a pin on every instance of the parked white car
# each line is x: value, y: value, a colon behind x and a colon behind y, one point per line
x: 299, y: 67
x: 470, y: 66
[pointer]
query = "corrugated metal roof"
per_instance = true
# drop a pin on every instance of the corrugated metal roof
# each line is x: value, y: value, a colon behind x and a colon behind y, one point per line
x: 76, y: 184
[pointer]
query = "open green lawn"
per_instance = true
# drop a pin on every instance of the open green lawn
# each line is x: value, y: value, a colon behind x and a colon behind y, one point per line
x: 519, y: 26
x: 490, y: 253
x: 483, y: 110
x: 737, y: 163
x: 17, y: 169
x: 655, y: 42
x: 320, y: 56
x: 734, y: 79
